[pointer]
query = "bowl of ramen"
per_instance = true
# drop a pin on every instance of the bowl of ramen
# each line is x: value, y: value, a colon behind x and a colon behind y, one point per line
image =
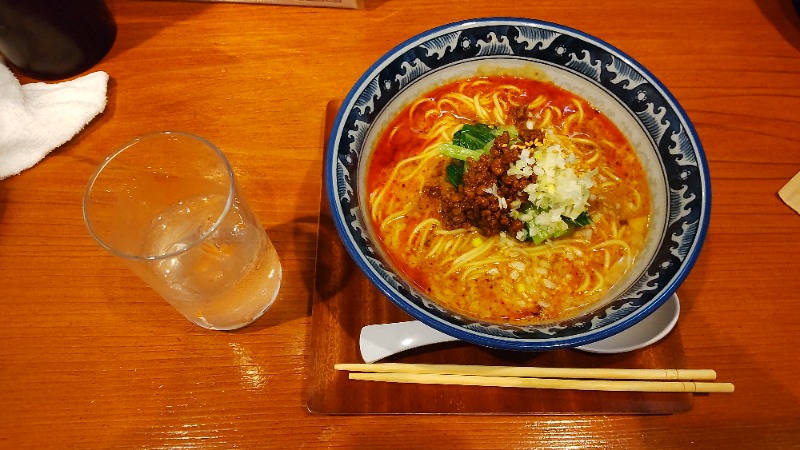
x: 517, y: 184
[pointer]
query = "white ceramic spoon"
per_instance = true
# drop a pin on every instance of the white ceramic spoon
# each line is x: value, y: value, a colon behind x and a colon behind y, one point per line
x: 382, y: 340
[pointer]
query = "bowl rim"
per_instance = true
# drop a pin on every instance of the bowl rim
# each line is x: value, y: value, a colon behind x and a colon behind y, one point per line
x: 480, y: 337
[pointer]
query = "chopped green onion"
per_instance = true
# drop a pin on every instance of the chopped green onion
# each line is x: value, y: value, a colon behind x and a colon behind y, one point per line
x: 527, y: 213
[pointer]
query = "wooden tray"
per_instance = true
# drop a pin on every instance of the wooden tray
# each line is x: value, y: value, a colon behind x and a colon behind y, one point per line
x: 345, y: 301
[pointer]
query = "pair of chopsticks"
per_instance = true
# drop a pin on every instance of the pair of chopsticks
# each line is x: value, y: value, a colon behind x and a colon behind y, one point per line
x: 629, y: 380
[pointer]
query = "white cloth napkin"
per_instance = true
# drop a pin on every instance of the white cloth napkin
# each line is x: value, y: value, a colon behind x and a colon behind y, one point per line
x: 36, y: 118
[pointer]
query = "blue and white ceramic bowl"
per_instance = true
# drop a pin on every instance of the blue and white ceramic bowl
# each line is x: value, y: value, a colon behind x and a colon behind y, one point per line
x: 642, y: 107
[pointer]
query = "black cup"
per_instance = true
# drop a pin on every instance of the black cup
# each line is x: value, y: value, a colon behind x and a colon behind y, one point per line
x: 55, y: 39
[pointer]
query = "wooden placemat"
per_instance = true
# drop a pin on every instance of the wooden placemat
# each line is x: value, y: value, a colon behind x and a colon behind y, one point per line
x: 345, y: 301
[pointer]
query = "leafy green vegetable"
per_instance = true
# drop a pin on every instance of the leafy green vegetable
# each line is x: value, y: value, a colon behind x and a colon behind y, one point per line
x: 581, y: 221
x: 459, y: 152
x: 473, y: 140
x: 455, y: 173
x: 474, y: 136
x: 513, y: 133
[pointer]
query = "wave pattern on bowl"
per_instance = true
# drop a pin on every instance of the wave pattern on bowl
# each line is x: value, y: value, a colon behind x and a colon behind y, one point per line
x: 675, y: 143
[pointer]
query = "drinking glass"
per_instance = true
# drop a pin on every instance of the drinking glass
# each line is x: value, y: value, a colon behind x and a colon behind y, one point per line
x: 168, y: 205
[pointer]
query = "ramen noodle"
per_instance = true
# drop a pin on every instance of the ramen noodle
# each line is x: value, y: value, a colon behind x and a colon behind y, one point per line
x: 544, y: 252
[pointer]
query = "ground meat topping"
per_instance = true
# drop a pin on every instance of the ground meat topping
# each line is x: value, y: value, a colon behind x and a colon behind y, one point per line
x: 484, y: 197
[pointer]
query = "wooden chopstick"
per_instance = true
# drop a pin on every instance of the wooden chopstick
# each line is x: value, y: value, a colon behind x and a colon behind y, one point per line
x: 537, y: 372
x: 600, y: 379
x: 546, y: 383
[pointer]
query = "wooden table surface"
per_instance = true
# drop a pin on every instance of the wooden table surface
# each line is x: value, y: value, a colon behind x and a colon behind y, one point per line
x: 90, y: 357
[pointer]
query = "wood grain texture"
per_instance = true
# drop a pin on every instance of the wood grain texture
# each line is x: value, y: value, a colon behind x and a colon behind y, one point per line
x: 92, y: 358
x: 345, y: 301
